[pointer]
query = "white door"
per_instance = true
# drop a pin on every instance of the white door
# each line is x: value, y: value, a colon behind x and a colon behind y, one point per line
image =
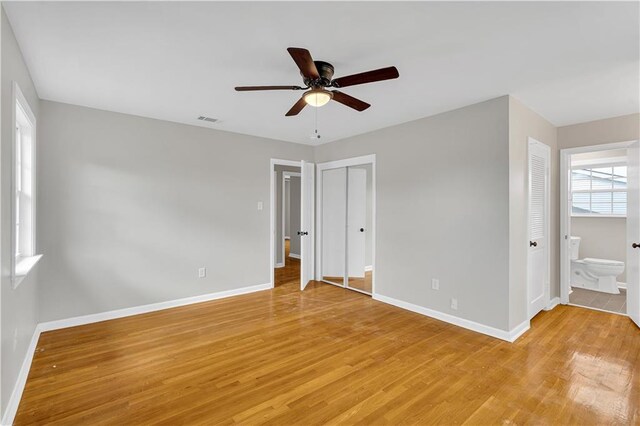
x: 538, y: 244
x: 633, y: 233
x: 356, y: 221
x: 307, y: 186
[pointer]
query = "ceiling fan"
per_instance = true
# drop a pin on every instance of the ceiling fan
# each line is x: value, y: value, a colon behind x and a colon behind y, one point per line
x: 318, y: 75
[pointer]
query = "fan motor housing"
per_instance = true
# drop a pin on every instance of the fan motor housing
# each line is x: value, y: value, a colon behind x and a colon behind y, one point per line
x: 325, y: 69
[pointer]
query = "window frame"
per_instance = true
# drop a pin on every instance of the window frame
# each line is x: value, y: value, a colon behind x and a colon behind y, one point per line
x: 23, y: 263
x: 596, y: 165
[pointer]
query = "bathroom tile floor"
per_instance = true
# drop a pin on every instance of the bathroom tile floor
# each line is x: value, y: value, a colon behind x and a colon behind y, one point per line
x: 595, y: 299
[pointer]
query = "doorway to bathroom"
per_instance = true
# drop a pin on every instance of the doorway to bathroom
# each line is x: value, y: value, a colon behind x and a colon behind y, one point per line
x: 600, y: 228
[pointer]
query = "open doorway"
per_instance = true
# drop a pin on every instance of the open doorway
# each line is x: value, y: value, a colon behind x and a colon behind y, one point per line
x: 288, y: 180
x: 600, y: 200
x: 292, y: 219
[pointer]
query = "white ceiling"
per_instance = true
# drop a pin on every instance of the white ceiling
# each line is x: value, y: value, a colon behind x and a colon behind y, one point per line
x: 571, y: 62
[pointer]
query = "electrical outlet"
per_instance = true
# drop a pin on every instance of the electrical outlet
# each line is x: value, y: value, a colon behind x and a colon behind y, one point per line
x: 260, y: 205
x: 202, y: 272
x: 435, y: 284
x: 454, y: 303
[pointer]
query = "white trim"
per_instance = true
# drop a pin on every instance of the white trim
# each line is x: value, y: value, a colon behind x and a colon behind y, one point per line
x: 295, y: 256
x: 368, y: 268
x: 565, y: 211
x: 354, y: 161
x: 272, y: 210
x: 283, y: 214
x: 280, y: 265
x: 18, y: 98
x: 509, y: 336
x: 552, y: 304
x: 143, y: 309
x: 21, y: 381
x: 287, y: 237
x: 597, y: 309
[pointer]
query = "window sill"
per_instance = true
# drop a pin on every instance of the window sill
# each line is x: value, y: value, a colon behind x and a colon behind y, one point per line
x: 600, y: 215
x: 23, y: 267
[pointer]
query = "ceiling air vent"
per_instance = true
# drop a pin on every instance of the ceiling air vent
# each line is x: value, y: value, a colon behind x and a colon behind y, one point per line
x: 209, y: 119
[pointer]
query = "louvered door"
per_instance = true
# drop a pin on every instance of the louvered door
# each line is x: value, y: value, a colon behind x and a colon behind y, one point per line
x: 538, y: 244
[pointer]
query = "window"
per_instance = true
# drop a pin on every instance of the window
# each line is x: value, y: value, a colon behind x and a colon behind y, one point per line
x: 23, y: 238
x: 599, y: 190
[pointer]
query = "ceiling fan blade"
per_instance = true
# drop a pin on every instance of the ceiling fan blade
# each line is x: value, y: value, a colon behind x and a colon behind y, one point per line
x: 251, y: 88
x: 350, y: 101
x: 303, y: 60
x: 366, y: 77
x: 297, y: 107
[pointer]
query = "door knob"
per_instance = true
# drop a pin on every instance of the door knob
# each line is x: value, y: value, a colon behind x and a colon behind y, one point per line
x: 361, y: 229
x: 635, y: 245
x: 302, y: 233
x: 533, y: 244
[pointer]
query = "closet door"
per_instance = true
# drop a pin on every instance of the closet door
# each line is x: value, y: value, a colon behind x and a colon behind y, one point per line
x: 359, y: 212
x: 334, y: 216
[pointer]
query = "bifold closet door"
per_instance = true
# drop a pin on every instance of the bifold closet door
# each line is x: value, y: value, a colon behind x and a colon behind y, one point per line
x: 334, y: 216
x: 359, y: 211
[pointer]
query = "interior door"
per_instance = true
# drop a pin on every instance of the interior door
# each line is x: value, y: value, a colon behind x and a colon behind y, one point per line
x: 538, y: 255
x: 633, y: 233
x: 307, y: 186
x: 356, y: 224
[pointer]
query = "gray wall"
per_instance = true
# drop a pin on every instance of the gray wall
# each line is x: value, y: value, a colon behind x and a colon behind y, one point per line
x: 294, y: 210
x: 524, y: 123
x: 135, y: 206
x: 287, y: 208
x: 602, y: 238
x: 609, y: 130
x: 453, y: 170
x: 19, y: 307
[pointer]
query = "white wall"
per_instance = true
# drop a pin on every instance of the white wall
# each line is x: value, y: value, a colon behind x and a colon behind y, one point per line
x: 19, y: 307
x: 442, y: 187
x: 131, y: 207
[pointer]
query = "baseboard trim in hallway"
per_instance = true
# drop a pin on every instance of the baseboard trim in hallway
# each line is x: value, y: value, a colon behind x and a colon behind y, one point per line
x: 509, y: 336
x: 16, y: 394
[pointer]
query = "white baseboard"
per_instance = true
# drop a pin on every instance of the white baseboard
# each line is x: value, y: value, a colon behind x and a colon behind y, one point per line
x: 368, y: 268
x: 280, y: 265
x: 552, y: 304
x: 295, y: 256
x: 287, y: 238
x: 136, y: 310
x: 622, y: 285
x: 16, y: 394
x: 21, y: 380
x: 509, y: 336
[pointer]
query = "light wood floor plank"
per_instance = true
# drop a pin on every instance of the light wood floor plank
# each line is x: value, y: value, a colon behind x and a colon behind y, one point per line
x: 331, y: 356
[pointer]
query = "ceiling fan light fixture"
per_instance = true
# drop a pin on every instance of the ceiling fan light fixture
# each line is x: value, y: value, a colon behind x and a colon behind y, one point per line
x: 317, y: 97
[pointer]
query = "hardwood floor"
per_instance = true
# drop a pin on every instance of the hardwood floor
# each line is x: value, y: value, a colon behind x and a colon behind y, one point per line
x: 330, y: 355
x: 363, y: 284
x: 290, y: 272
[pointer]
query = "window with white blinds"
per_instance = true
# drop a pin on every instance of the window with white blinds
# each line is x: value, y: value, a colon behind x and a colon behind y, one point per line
x: 599, y: 190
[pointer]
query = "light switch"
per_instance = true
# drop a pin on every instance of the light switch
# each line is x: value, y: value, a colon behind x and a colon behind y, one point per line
x: 259, y: 205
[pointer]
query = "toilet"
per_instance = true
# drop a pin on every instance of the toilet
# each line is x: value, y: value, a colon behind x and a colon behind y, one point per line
x: 594, y: 274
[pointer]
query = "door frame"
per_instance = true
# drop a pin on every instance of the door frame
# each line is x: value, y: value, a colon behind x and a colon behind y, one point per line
x: 547, y: 223
x: 336, y: 164
x: 565, y: 213
x: 272, y: 212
